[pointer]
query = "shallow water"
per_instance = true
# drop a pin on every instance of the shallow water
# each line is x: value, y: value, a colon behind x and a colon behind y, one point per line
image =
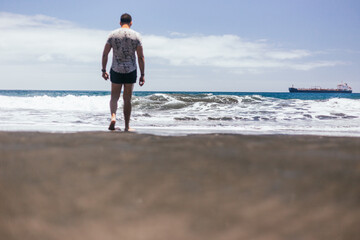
x: 180, y: 113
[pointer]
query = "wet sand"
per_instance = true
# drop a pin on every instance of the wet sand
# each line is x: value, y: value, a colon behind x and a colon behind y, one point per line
x: 103, y: 185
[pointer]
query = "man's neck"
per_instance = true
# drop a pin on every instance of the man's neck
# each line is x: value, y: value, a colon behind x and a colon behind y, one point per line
x: 125, y: 26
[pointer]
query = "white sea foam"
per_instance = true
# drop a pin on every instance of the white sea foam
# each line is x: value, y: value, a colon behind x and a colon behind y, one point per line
x: 64, y: 103
x: 173, y: 114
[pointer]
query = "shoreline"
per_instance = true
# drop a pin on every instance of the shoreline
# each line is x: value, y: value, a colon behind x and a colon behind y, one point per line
x: 164, y: 132
x: 116, y: 185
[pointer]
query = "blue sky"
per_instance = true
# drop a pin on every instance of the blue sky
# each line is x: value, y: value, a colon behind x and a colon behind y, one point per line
x: 189, y: 45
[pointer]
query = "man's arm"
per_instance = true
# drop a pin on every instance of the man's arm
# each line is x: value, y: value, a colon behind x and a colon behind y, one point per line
x: 141, y: 61
x: 105, y: 55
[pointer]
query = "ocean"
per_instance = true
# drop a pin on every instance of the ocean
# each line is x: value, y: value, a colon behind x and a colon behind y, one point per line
x: 182, y: 113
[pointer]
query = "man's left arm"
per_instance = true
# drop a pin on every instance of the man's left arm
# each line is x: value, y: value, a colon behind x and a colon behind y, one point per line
x: 105, y: 55
x: 141, y: 61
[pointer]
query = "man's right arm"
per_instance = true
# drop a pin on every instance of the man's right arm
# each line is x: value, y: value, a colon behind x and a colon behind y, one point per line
x: 141, y: 61
x: 104, y: 61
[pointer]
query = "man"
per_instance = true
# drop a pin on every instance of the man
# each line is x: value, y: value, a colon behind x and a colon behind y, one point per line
x: 124, y: 42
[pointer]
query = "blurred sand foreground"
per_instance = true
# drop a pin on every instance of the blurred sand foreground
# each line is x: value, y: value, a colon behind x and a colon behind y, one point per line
x: 103, y: 185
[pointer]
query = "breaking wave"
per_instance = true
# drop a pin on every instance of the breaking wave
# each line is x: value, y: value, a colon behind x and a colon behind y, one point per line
x: 251, y: 113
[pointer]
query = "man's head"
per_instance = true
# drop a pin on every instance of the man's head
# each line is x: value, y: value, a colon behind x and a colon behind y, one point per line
x: 126, y: 19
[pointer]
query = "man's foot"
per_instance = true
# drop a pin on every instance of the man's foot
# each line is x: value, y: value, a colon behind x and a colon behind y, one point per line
x: 112, y: 125
x: 129, y: 130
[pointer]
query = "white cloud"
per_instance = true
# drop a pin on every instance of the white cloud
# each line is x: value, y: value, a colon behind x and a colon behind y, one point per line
x: 229, y: 51
x: 11, y: 20
x: 41, y: 39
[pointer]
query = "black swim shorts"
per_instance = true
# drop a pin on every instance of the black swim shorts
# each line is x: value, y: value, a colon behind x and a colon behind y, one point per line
x: 123, y: 78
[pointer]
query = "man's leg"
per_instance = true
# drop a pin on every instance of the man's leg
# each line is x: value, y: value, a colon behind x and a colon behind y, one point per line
x: 115, y: 95
x: 128, y: 89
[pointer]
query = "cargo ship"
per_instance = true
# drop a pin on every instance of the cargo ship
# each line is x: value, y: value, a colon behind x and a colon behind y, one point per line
x: 341, y: 88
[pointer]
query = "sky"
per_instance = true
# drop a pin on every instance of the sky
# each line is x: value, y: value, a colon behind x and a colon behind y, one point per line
x: 229, y: 45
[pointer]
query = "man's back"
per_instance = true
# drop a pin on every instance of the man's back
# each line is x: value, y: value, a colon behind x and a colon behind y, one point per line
x: 124, y: 42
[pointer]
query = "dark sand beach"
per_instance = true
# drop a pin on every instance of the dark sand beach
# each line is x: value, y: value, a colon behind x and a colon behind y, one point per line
x: 103, y: 185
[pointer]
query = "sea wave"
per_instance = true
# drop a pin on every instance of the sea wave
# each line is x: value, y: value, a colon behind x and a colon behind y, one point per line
x: 58, y: 103
x: 240, y: 113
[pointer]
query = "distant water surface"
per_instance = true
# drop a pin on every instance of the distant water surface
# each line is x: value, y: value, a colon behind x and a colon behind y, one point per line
x: 179, y: 113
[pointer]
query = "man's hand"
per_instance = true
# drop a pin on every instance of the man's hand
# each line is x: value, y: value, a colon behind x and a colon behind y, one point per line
x: 141, y: 81
x: 105, y: 75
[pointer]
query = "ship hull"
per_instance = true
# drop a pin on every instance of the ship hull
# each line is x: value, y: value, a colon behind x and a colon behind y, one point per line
x: 296, y: 90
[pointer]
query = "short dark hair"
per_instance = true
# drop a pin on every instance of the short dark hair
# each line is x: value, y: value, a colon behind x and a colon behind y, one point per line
x: 125, y: 18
